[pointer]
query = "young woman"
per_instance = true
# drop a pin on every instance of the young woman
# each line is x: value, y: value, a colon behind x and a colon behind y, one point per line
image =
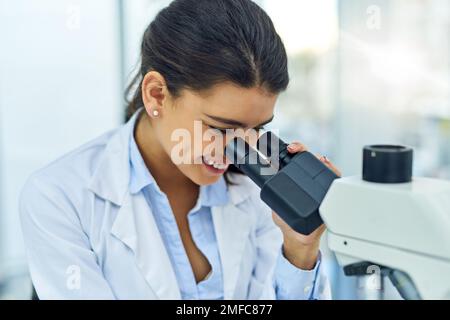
x: 118, y: 218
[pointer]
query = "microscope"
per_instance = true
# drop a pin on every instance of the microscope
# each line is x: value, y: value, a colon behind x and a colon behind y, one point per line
x: 384, y: 218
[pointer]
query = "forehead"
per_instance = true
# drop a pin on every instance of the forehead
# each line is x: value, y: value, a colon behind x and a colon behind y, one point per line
x: 226, y: 100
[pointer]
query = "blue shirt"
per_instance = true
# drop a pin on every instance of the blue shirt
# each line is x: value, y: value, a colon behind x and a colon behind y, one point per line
x: 289, y: 282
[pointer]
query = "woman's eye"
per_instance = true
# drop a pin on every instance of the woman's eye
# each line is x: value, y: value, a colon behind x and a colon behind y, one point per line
x: 223, y: 131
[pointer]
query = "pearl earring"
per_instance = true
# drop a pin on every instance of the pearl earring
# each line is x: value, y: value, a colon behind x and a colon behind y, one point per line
x: 155, y: 113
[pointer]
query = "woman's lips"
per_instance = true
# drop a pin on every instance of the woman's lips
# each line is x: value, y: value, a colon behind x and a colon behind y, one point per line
x: 212, y: 169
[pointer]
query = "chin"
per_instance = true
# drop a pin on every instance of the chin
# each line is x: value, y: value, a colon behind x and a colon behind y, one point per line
x: 203, y: 180
x: 201, y: 177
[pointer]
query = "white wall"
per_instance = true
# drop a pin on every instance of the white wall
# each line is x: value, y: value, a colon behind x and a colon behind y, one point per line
x: 60, y: 86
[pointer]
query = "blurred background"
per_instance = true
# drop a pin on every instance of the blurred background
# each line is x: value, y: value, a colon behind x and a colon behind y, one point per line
x: 367, y: 71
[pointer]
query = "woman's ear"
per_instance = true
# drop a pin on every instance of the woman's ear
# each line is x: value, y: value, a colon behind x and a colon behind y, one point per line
x: 153, y: 93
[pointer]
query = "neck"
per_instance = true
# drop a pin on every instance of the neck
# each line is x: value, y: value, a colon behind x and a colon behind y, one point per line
x: 164, y: 171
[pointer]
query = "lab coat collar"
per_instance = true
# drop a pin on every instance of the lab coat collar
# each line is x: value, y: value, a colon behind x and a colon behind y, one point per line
x: 134, y: 224
x: 136, y: 228
x: 110, y: 180
x: 232, y: 226
x: 140, y: 176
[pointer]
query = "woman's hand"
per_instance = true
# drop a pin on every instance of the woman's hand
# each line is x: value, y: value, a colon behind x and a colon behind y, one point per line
x: 301, y: 250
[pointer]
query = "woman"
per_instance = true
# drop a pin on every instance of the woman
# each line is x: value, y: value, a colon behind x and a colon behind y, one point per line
x: 121, y: 218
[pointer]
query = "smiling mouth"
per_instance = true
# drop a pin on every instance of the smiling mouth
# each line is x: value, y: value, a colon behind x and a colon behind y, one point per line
x: 214, y: 167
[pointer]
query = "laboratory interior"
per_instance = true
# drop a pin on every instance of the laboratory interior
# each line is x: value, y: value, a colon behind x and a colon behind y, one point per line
x: 367, y: 72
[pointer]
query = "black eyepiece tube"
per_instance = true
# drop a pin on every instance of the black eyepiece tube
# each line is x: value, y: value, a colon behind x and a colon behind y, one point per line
x: 247, y: 159
x: 274, y: 149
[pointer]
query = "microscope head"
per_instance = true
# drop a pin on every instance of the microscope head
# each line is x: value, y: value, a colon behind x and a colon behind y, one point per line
x: 293, y: 185
x: 393, y: 220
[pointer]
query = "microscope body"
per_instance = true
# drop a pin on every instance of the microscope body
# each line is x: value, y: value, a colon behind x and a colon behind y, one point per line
x: 383, y: 219
x: 403, y: 226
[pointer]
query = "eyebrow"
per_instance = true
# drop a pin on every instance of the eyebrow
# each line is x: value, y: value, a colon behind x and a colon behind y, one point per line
x: 232, y: 122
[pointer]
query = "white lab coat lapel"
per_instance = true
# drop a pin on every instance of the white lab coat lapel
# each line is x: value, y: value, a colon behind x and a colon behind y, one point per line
x: 232, y: 226
x: 134, y: 224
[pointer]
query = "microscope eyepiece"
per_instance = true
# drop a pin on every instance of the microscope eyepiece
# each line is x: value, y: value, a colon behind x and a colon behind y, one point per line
x: 248, y: 160
x: 294, y: 184
x: 387, y: 163
x: 236, y: 150
x: 274, y: 149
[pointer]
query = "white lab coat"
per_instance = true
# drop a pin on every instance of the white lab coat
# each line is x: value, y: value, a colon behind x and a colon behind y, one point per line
x: 87, y: 237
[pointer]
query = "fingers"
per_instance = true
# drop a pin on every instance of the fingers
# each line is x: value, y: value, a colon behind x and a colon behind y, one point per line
x: 330, y: 165
x: 296, y: 146
x: 322, y: 228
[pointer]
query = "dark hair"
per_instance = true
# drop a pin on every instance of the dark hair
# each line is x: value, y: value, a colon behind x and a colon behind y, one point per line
x: 196, y: 44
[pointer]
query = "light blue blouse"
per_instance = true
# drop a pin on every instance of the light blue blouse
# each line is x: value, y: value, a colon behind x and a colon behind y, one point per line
x: 289, y: 281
